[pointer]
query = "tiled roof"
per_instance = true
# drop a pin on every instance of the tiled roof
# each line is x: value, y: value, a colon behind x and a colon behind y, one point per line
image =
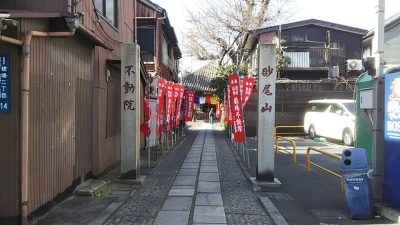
x: 200, y: 79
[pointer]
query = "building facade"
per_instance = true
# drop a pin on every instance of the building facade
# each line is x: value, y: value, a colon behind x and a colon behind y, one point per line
x: 64, y: 124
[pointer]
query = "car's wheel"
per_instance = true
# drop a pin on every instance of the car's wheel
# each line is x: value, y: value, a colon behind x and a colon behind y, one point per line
x: 348, y: 137
x: 311, y: 132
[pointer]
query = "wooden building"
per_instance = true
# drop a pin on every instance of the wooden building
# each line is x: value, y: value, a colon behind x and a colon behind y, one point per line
x: 314, y: 47
x: 158, y: 41
x: 64, y: 119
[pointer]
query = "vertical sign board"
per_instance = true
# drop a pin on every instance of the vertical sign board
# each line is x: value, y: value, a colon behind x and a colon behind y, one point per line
x: 4, y: 83
x: 153, y: 123
x: 130, y: 106
x: 266, y: 112
x: 392, y: 139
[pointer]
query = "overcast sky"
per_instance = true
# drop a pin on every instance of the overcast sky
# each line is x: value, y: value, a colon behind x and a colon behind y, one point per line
x: 357, y: 13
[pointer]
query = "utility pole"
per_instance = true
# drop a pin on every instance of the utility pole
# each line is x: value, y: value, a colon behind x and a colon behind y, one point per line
x: 378, y: 102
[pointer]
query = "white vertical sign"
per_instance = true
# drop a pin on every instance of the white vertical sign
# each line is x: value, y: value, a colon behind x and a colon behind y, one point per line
x: 153, y: 123
x: 130, y: 106
x: 266, y: 112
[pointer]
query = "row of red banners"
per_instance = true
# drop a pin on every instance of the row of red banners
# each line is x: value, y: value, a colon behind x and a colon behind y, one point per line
x: 238, y: 93
x: 173, y: 93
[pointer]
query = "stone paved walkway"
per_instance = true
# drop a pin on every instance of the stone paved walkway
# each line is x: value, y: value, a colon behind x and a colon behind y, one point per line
x: 195, y: 197
x: 200, y: 183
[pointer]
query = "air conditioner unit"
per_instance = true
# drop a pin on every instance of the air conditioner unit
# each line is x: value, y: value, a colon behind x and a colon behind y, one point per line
x: 354, y: 64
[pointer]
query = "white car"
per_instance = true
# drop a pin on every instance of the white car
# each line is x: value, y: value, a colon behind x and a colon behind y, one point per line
x: 331, y: 118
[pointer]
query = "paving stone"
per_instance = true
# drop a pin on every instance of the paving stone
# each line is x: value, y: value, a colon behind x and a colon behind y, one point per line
x: 193, y: 155
x: 172, y: 218
x: 209, y: 153
x: 207, y: 157
x: 209, y: 199
x: 177, y: 204
x: 192, y: 160
x: 208, y: 187
x: 185, y: 180
x: 182, y: 187
x: 187, y: 172
x: 190, y: 166
x: 209, y: 169
x: 209, y: 163
x: 209, y: 177
x: 181, y: 192
x: 209, y: 214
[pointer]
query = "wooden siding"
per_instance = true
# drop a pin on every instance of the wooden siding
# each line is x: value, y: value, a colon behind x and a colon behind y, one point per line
x: 42, y: 5
x: 60, y: 111
x: 10, y: 139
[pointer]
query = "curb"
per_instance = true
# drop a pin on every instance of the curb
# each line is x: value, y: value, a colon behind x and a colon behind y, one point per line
x: 387, y: 212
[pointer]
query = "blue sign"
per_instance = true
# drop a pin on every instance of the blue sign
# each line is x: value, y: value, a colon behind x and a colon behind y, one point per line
x: 4, y: 83
x: 391, y: 175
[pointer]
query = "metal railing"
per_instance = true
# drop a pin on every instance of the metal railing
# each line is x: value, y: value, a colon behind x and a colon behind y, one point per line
x: 277, y: 148
x: 287, y: 133
x: 309, y: 163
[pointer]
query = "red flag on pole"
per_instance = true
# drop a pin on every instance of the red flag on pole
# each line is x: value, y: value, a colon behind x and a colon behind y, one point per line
x: 144, y: 127
x: 179, y: 104
x: 247, y: 84
x: 189, y: 106
x: 170, y: 96
x: 160, y: 104
x: 218, y: 111
x: 236, y: 107
x: 228, y: 108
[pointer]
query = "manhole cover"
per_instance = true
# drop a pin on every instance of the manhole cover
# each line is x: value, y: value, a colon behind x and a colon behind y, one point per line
x: 329, y: 214
x: 278, y: 196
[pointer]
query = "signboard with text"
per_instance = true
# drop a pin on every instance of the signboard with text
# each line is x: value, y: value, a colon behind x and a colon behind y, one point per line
x: 266, y: 112
x: 130, y: 105
x: 4, y: 83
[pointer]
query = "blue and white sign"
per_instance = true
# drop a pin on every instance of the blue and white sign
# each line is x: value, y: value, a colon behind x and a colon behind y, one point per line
x: 392, y: 107
x: 4, y: 83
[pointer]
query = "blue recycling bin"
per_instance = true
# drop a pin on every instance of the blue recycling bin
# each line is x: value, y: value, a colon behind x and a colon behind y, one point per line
x: 357, y: 184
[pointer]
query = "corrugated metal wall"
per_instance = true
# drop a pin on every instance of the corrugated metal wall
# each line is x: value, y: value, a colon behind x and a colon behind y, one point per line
x: 61, y: 102
x: 10, y: 139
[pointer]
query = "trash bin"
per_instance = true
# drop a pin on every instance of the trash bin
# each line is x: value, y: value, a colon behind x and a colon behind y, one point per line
x: 357, y: 184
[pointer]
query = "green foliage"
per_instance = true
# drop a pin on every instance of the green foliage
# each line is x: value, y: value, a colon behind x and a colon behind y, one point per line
x: 220, y: 83
x: 282, y: 61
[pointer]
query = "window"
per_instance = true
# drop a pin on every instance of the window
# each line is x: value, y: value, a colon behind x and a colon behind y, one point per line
x: 165, y: 56
x: 317, y: 107
x: 146, y: 40
x: 107, y: 8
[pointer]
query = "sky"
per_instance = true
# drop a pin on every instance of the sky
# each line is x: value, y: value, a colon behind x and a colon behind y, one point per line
x: 356, y: 13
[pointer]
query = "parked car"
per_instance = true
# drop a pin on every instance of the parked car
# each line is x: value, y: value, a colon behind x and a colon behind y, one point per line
x: 331, y: 118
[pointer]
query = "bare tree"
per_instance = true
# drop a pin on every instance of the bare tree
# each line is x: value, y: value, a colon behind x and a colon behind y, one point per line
x: 219, y: 27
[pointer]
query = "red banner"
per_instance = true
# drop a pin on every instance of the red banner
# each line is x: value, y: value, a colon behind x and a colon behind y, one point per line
x: 217, y: 111
x: 169, y: 98
x: 189, y: 106
x: 162, y: 88
x: 144, y: 127
x: 229, y: 119
x: 247, y: 85
x: 236, y: 107
x: 179, y: 104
